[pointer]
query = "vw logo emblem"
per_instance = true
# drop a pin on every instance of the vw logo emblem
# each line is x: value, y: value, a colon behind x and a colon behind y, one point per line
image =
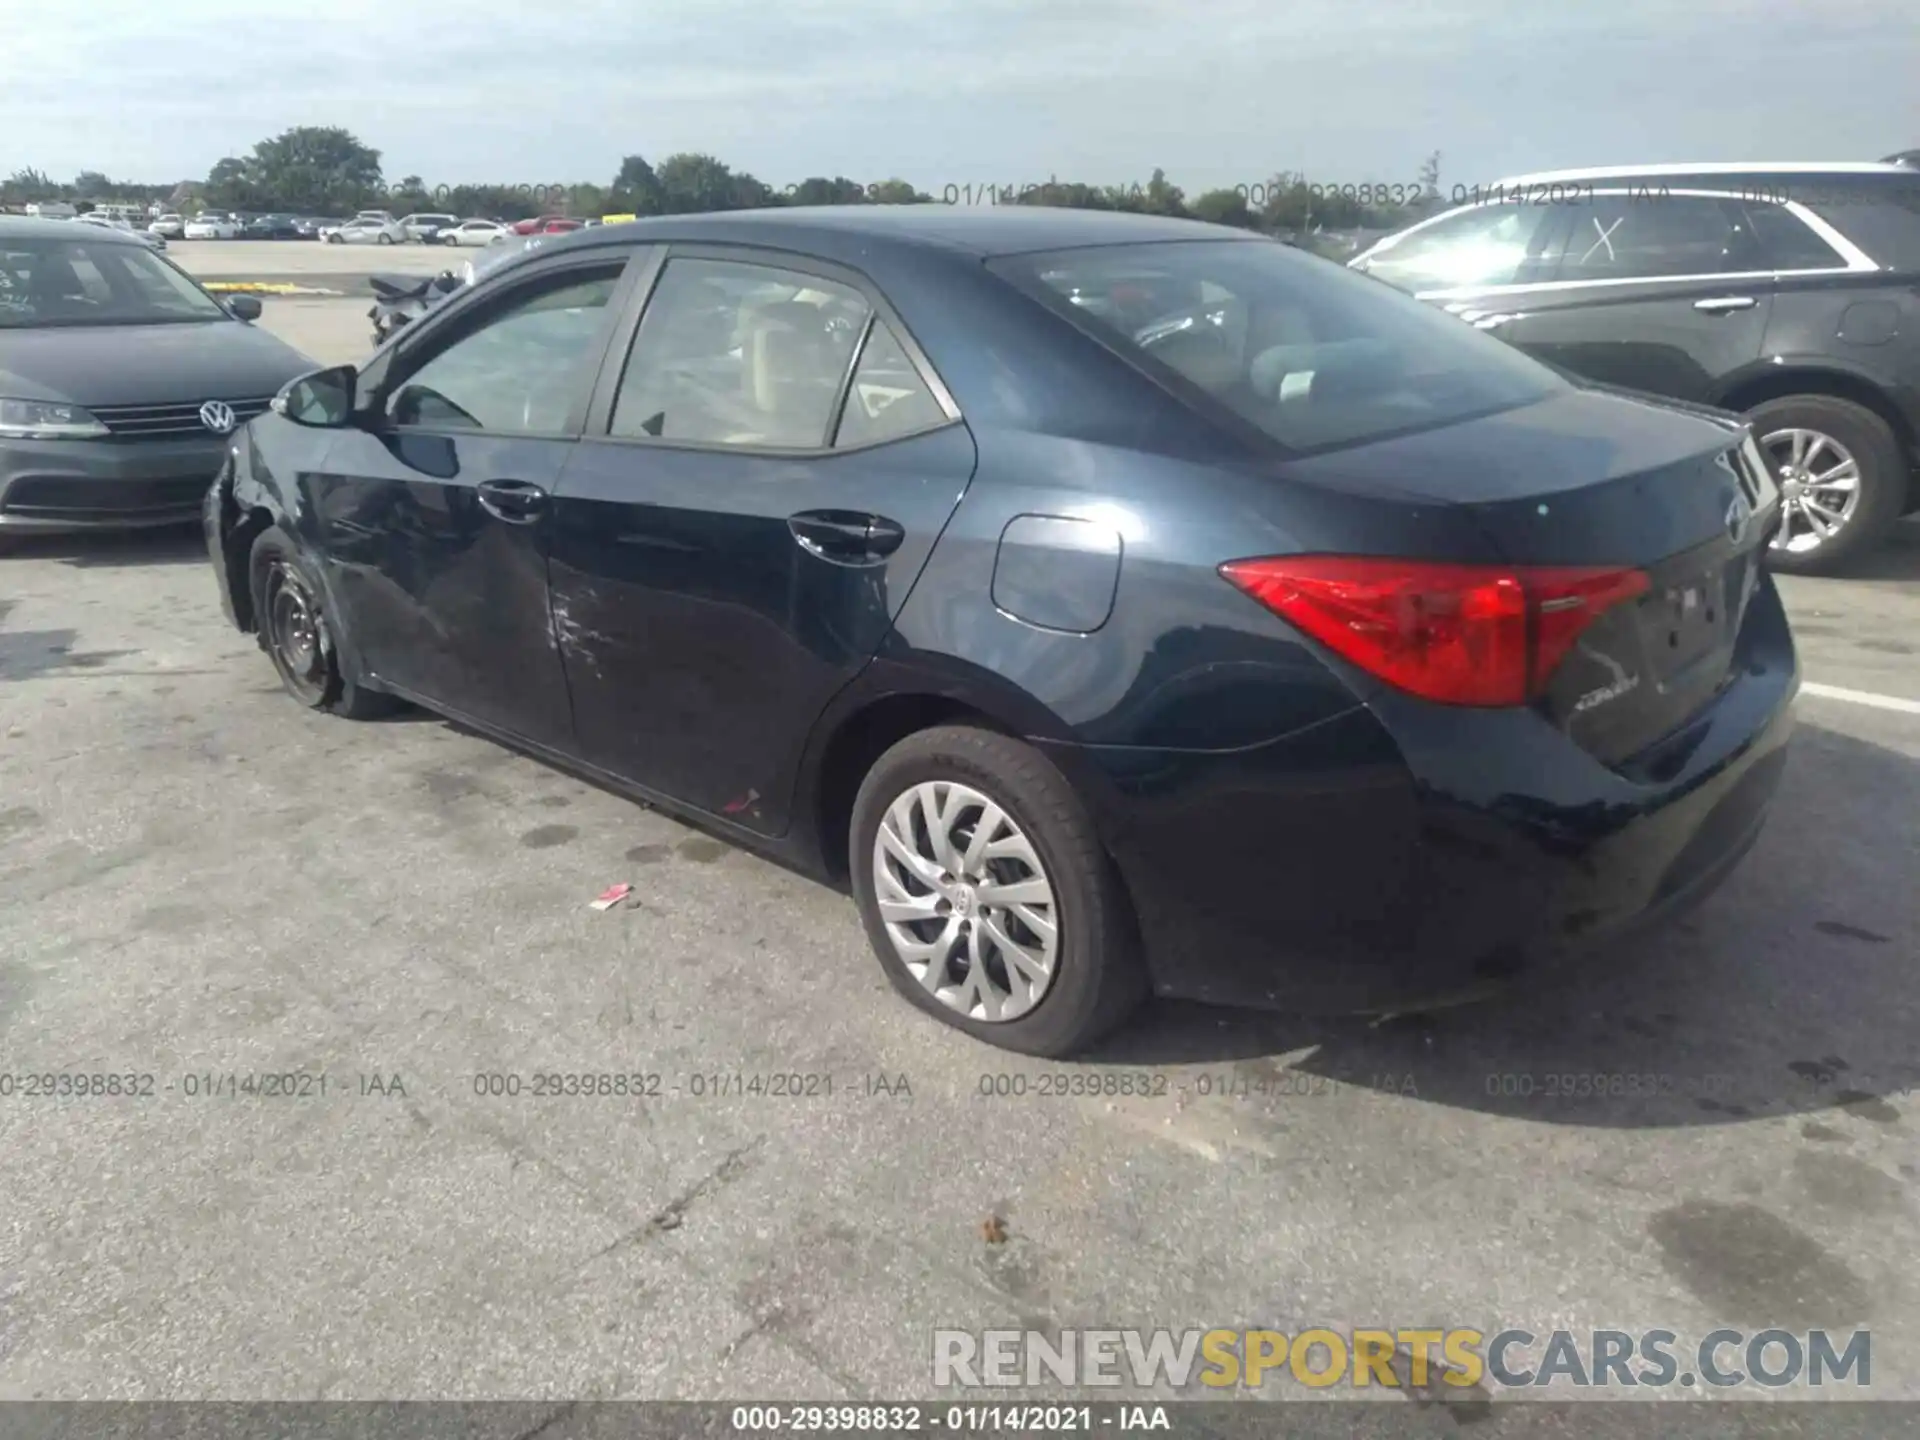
x: 217, y: 416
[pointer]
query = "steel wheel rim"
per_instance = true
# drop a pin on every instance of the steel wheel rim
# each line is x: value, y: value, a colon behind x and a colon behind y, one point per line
x: 296, y: 632
x: 966, y: 901
x: 1819, y: 487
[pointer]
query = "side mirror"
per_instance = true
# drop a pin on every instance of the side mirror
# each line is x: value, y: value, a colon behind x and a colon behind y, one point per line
x: 244, y: 307
x: 322, y: 399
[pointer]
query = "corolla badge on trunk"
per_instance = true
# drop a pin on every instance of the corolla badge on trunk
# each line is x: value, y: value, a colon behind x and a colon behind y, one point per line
x: 217, y: 416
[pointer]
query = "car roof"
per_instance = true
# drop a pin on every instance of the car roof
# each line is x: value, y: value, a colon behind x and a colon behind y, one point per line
x: 847, y: 231
x: 1670, y: 169
x: 32, y: 227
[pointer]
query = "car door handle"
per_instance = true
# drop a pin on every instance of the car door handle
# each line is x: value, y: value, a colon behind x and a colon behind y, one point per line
x: 518, y: 502
x: 848, y: 537
x: 1720, y: 304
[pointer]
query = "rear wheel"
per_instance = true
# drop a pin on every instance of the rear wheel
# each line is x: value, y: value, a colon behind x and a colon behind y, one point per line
x: 1842, y: 482
x: 296, y: 633
x: 987, y: 896
x: 383, y: 238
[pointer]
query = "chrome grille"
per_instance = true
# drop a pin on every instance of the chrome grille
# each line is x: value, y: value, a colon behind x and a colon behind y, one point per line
x: 147, y: 422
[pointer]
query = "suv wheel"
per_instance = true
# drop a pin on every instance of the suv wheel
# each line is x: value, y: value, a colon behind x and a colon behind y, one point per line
x: 987, y: 895
x: 1841, y: 479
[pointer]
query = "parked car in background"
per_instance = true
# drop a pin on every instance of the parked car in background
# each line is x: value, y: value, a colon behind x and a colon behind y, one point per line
x: 212, y: 227
x: 1295, y: 646
x: 121, y: 380
x: 426, y: 229
x: 1786, y: 292
x: 112, y: 222
x: 310, y: 226
x: 51, y: 209
x: 365, y: 232
x: 271, y: 227
x: 169, y: 226
x: 546, y: 225
x: 385, y: 216
x: 474, y: 232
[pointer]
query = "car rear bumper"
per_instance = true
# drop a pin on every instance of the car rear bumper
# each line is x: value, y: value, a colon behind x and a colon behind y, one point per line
x: 1401, y: 853
x: 63, y: 486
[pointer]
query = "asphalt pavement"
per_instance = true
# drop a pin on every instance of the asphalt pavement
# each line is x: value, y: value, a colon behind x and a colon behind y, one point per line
x: 199, y: 880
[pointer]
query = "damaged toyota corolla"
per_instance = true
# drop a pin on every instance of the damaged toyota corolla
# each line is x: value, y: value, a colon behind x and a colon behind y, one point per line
x: 1119, y: 605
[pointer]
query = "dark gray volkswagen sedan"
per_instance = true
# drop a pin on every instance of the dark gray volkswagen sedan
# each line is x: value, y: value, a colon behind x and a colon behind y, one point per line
x: 121, y: 380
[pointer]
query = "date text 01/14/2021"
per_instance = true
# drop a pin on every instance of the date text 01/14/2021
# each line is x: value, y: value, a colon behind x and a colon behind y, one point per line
x: 695, y: 1085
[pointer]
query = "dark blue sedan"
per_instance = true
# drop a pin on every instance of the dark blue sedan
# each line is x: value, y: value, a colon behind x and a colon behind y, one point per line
x: 1120, y: 605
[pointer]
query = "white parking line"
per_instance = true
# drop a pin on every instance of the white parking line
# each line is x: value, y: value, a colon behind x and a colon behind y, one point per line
x: 1861, y: 697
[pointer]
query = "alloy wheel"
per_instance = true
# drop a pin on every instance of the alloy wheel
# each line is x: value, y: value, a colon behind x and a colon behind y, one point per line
x: 1819, y: 487
x: 296, y: 633
x: 966, y: 901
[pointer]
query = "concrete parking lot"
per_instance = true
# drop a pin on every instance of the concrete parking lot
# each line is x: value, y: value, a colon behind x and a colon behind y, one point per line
x: 198, y: 880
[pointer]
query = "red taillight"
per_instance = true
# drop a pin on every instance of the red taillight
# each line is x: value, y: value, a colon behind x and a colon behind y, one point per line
x: 1456, y: 634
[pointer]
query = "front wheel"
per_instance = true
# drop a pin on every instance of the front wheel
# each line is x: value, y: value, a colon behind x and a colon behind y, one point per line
x: 987, y: 896
x: 1842, y: 481
x: 297, y: 634
x: 383, y: 239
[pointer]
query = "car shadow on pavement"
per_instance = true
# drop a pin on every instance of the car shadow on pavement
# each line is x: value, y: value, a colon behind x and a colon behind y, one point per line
x: 124, y: 549
x: 1895, y: 558
x: 1790, y: 991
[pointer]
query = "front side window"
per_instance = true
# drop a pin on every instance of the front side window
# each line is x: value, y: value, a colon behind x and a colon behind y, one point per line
x: 731, y: 353
x: 104, y: 282
x: 1311, y: 353
x: 1651, y: 237
x: 520, y: 372
x: 1495, y: 244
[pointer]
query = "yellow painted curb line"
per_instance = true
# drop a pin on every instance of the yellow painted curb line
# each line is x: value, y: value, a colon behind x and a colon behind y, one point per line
x: 263, y: 287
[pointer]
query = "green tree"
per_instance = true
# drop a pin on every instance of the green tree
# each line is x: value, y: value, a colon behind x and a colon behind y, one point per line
x: 1163, y: 197
x: 691, y: 184
x: 319, y: 169
x: 1224, y: 207
x: 636, y: 189
x: 586, y: 200
x: 228, y: 187
x: 410, y: 196
x: 818, y: 190
x: 92, y: 185
x: 27, y: 185
x: 898, y: 192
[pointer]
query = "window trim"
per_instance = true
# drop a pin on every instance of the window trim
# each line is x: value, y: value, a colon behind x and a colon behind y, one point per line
x: 599, y: 418
x: 1857, y: 262
x: 463, y: 315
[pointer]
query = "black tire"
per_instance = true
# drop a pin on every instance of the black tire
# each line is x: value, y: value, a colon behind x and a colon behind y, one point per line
x: 1883, y: 475
x: 283, y: 585
x: 1099, y: 977
x: 383, y: 238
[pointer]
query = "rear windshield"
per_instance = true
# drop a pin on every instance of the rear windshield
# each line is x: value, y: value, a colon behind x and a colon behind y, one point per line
x: 1310, y: 352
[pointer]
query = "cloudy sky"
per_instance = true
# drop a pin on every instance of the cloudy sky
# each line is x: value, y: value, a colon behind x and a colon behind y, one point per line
x: 963, y: 92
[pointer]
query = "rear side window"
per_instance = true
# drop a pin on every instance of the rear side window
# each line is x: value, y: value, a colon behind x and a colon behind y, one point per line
x: 887, y: 399
x: 730, y: 353
x: 1650, y: 237
x: 1313, y: 354
x: 1788, y: 243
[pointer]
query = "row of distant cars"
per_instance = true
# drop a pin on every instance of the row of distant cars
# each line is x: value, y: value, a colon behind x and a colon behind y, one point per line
x: 367, y: 227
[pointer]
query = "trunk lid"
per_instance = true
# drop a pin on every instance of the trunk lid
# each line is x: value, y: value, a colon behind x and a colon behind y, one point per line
x: 1589, y: 478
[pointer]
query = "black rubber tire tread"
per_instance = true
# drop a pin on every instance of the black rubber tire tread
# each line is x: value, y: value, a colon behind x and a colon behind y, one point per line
x: 1100, y: 976
x: 1883, y: 474
x: 340, y: 696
